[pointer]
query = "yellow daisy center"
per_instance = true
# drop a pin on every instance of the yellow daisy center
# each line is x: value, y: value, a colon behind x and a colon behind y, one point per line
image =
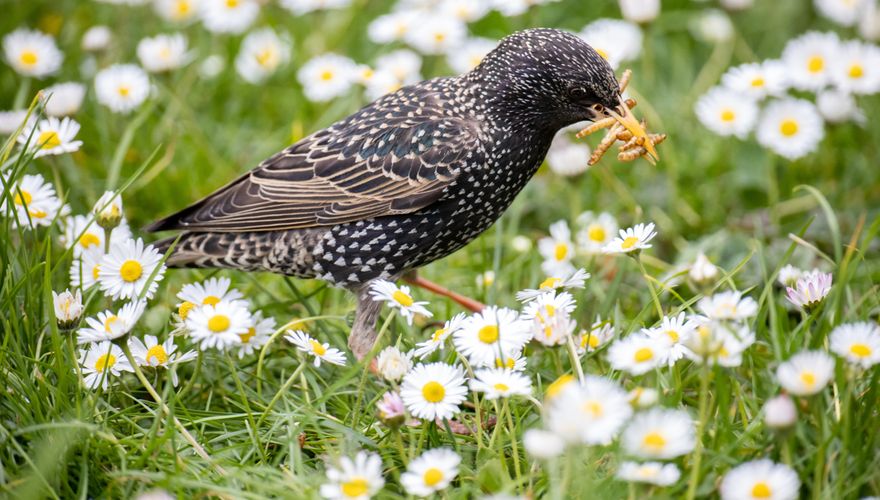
x: 28, y: 57
x: 88, y: 240
x: 856, y: 71
x: 105, y: 362
x: 488, y: 334
x: 559, y: 384
x: 758, y: 82
x: 501, y: 387
x: 433, y: 392
x: 211, y: 300
x: 157, y: 352
x: 727, y: 115
x: 788, y: 127
x: 219, y: 323
x: 433, y: 476
x: 549, y: 283
x: 808, y: 378
x: 560, y: 251
x: 596, y: 233
x: 437, y: 334
x: 247, y: 336
x: 860, y: 350
x: 317, y: 348
x: 673, y: 335
x: 761, y: 490
x: 184, y: 309
x: 589, y: 340
x: 131, y: 270
x: 594, y: 408
x: 22, y: 197
x: 108, y: 323
x: 654, y: 440
x: 266, y: 57
x: 181, y: 8
x: 48, y: 139
x: 327, y: 75
x: 643, y: 354
x: 815, y: 64
x: 439, y: 37
x: 37, y: 214
x: 356, y: 486
x: 123, y: 90
x: 629, y: 242
x: 95, y: 271
x: 232, y: 3
x: 402, y: 298
x: 505, y: 363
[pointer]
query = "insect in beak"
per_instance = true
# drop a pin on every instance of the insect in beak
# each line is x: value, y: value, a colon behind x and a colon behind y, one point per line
x: 626, y: 118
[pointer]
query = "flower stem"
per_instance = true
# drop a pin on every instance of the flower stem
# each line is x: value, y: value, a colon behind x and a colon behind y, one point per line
x: 284, y: 388
x: 575, y: 359
x: 701, y: 428
x: 511, y: 432
x: 654, y: 296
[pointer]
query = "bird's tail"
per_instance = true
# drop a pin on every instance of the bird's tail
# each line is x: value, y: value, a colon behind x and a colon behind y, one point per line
x: 244, y: 251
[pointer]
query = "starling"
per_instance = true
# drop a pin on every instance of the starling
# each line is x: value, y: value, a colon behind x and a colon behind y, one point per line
x: 408, y: 179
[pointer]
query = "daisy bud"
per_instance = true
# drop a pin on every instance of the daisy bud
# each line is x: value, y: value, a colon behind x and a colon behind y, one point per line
x: 108, y: 210
x: 392, y: 364
x: 68, y: 309
x: 639, y: 11
x: 96, y: 39
x: 521, y: 244
x: 780, y: 412
x: 543, y: 444
x: 702, y: 270
x: 391, y: 409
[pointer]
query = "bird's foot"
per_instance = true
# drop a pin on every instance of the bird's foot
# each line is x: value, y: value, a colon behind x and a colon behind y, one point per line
x: 468, y: 303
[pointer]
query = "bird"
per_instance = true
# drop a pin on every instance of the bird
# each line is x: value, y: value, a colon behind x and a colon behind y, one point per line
x: 408, y: 179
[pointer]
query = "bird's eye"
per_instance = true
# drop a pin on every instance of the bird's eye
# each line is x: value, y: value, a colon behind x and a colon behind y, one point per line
x: 578, y: 92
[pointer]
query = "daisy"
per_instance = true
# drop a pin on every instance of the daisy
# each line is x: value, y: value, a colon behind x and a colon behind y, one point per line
x: 729, y: 305
x: 501, y: 383
x: 837, y: 106
x: 405, y: 65
x: 756, y: 80
x: 434, y: 391
x: 177, y: 11
x: 100, y: 362
x: 557, y: 250
x: 615, y: 40
x: 639, y: 11
x: 806, y: 373
x: 789, y: 275
x: 643, y: 397
x: 381, y: 83
x: 469, y: 54
x: 543, y: 444
x: 702, y: 270
x: 857, y: 343
x: 392, y: 364
x: 108, y: 210
x: 220, y: 325
x: 149, y: 352
x: 511, y: 8
x: 433, y: 471
x: 514, y: 361
x: 326, y: 77
x: 34, y: 202
x: 212, y: 66
x: 163, y: 52
x: 437, y: 34
x: 11, y: 121
x: 229, y: 16
x: 322, y: 352
x: 855, y: 69
x: 96, y: 39
x: 760, y: 479
x: 677, y: 330
x: 300, y: 7
x: 126, y: 272
x: 808, y: 59
x: 791, y: 128
x: 734, y: 342
x: 438, y: 338
x: 466, y: 10
x: 63, y: 99
x: 391, y: 27
x: 84, y: 268
x: 633, y: 239
x: 549, y: 317
x: 111, y: 325
x: 32, y: 53
x: 398, y: 298
x: 257, y: 335
x: 122, y: 87
x: 780, y: 412
x: 51, y: 137
x: 494, y: 332
x: 638, y: 353
x: 727, y: 112
x: 656, y: 473
x: 599, y: 334
x: 567, y: 158
x: 659, y: 433
x: 597, y: 230
x: 592, y: 412
x: 708, y: 339
x: 391, y: 408
x: 842, y: 12
x: 359, y: 479
x: 209, y: 292
x: 567, y: 282
x: 810, y: 290
x: 68, y: 309
x: 262, y: 53
x: 713, y: 26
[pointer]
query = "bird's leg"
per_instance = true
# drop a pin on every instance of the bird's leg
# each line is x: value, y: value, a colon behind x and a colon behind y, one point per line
x: 468, y: 303
x: 363, y: 331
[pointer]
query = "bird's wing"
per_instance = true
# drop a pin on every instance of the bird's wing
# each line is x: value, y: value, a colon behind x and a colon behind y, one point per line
x: 386, y: 159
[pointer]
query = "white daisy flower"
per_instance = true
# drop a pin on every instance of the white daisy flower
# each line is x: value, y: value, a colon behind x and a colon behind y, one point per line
x: 438, y: 338
x: 434, y: 391
x: 357, y: 479
x: 210, y: 292
x: 100, y: 362
x: 557, y: 250
x: 10, y: 121
x: 756, y: 80
x: 63, y: 99
x: 855, y: 68
x: 163, y: 52
x: 760, y: 479
x: 633, y: 239
x: 514, y: 361
x: 433, y: 471
x: 599, y: 334
x: 549, y: 317
x: 392, y: 27
x: 727, y: 112
x: 257, y: 335
x: 111, y: 325
x: 521, y: 244
x: 780, y: 412
x: 322, y: 352
x: 494, y: 332
x: 656, y: 473
x: 229, y: 16
x: 96, y: 39
x: 300, y: 7
x: 262, y: 53
x: 511, y: 8
x: 405, y: 65
x: 592, y: 412
x: 466, y: 10
x: 713, y: 26
x: 857, y: 343
x: 391, y: 408
x: 791, y: 128
x: 326, y: 77
x: 789, y: 275
x: 808, y: 59
x: 437, y: 34
x: 568, y: 158
x: 639, y: 11
x: 677, y: 330
x: 643, y: 397
x: 638, y: 353
x: 51, y: 136
x: 392, y: 364
x: 734, y: 342
x: 469, y: 54
x: 34, y: 202
x: 122, y: 87
x: 84, y: 268
x: 597, y: 230
x: 485, y: 279
x: 728, y: 305
x: 398, y: 298
x: 567, y: 282
x: 837, y: 106
x: 32, y: 53
x: 501, y: 383
x: 220, y: 325
x: 869, y: 21
x: 615, y: 40
x: 68, y: 308
x: 177, y: 11
x: 128, y: 268
x: 810, y: 290
x: 150, y: 353
x: 842, y: 12
x: 212, y: 66
x: 702, y: 270
x: 806, y: 373
x: 659, y: 433
x: 381, y: 83
x: 543, y: 444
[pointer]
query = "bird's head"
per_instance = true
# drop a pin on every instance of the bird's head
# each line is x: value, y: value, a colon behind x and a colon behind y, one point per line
x: 550, y: 78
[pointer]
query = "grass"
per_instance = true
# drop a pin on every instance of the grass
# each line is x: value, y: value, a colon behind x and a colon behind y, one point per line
x: 268, y: 422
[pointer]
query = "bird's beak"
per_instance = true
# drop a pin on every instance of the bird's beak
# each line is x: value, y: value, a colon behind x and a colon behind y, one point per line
x: 628, y: 120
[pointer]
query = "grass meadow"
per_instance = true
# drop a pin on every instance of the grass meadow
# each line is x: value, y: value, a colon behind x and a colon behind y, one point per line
x: 270, y: 423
